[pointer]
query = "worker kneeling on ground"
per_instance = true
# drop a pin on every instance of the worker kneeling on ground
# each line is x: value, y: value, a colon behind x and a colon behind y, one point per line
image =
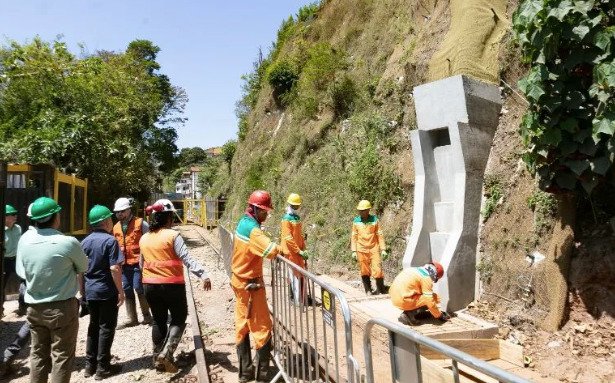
x: 412, y: 291
x: 102, y: 288
x: 164, y: 253
x: 368, y: 248
x: 293, y: 246
x: 250, y: 246
x: 128, y: 232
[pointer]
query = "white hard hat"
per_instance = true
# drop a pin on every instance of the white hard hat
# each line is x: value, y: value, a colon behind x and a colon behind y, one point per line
x: 167, y: 204
x: 121, y: 204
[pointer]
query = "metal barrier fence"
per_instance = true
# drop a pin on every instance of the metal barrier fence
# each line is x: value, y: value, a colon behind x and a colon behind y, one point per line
x: 226, y: 248
x: 306, y: 347
x: 405, y: 355
x: 205, y: 212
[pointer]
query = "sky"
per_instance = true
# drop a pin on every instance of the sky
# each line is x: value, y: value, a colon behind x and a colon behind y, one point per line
x: 205, y: 46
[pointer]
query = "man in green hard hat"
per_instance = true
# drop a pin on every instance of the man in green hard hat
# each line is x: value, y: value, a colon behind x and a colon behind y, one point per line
x: 50, y: 263
x: 103, y: 291
x: 12, y: 233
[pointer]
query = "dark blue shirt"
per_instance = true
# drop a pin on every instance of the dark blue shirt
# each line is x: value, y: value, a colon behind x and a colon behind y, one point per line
x: 103, y: 252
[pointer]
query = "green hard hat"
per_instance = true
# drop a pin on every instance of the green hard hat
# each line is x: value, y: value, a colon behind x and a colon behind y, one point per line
x: 43, y: 207
x: 9, y: 210
x: 98, y: 214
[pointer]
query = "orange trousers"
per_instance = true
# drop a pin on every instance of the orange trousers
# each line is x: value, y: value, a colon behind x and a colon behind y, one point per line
x: 370, y: 263
x: 415, y: 301
x: 257, y: 321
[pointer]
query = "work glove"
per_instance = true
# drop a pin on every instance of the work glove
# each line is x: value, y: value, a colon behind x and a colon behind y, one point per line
x: 206, y: 284
x: 354, y: 255
x: 384, y: 255
x: 444, y: 317
x: 304, y: 254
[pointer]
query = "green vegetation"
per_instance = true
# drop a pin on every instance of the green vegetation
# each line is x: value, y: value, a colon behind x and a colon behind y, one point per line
x: 544, y: 207
x: 110, y: 116
x: 317, y: 75
x: 282, y: 77
x: 494, y: 191
x: 569, y: 126
x: 308, y: 12
x: 344, y: 95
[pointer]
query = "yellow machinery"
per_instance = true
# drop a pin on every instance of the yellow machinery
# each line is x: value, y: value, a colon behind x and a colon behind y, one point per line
x: 25, y: 183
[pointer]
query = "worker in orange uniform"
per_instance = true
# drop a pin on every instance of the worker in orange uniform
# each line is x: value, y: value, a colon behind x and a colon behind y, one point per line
x: 293, y: 246
x: 368, y: 247
x: 251, y: 245
x: 128, y: 232
x: 412, y: 291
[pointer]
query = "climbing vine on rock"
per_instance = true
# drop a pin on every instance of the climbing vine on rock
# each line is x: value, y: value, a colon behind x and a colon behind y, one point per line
x: 568, y: 130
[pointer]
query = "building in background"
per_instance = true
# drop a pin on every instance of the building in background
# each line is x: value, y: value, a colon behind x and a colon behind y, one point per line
x: 188, y: 185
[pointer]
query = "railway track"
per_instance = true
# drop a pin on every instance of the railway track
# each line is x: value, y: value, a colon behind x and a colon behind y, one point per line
x: 204, y: 374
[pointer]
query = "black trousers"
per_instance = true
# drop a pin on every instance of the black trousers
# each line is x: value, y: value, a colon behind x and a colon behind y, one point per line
x: 9, y: 269
x: 165, y: 299
x: 103, y: 320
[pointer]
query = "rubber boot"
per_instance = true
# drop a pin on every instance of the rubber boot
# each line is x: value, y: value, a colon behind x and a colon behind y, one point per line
x: 380, y: 286
x: 367, y: 284
x: 166, y: 355
x: 106, y: 372
x: 157, y: 348
x: 147, y: 315
x: 408, y: 318
x: 263, y: 355
x: 131, y: 311
x: 244, y: 354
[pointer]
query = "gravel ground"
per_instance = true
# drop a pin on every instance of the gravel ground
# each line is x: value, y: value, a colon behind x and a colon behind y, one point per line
x: 215, y: 308
x: 132, y: 346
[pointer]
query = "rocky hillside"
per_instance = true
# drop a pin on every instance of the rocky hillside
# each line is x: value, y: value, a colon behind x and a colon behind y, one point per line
x: 327, y: 114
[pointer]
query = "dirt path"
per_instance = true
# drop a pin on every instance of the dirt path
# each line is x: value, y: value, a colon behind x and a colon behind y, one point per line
x: 132, y: 346
x: 215, y: 308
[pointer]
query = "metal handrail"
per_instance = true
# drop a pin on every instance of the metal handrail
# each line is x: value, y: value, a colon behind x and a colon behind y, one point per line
x: 456, y: 355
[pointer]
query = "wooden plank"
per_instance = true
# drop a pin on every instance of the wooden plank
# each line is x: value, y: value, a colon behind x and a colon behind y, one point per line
x: 526, y: 373
x: 512, y: 353
x: 474, y: 375
x: 484, y: 349
x: 439, y: 373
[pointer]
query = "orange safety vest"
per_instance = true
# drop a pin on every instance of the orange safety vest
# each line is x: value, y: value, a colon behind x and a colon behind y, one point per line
x: 160, y: 263
x: 130, y: 242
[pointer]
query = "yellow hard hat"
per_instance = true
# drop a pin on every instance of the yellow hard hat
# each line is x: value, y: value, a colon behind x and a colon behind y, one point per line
x: 294, y: 199
x: 364, y: 205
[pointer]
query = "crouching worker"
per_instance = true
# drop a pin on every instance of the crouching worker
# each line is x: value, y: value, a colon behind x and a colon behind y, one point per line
x: 103, y: 292
x: 164, y: 253
x: 412, y: 291
x: 251, y: 245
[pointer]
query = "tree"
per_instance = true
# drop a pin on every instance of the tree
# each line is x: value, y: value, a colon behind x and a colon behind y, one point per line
x: 192, y: 156
x: 108, y: 117
x: 568, y: 128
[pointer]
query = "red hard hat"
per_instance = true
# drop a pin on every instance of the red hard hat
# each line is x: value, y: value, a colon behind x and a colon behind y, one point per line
x: 261, y: 199
x: 439, y: 269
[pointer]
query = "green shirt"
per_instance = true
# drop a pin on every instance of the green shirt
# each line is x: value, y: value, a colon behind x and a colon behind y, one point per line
x: 49, y: 262
x: 11, y: 238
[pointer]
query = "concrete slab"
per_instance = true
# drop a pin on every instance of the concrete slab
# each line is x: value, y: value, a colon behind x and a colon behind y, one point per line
x: 457, y: 117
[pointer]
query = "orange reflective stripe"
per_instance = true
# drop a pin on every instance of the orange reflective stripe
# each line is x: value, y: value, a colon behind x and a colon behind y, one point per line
x: 165, y: 263
x: 158, y: 280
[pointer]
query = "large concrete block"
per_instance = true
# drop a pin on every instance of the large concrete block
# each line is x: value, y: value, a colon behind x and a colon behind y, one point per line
x: 457, y: 118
